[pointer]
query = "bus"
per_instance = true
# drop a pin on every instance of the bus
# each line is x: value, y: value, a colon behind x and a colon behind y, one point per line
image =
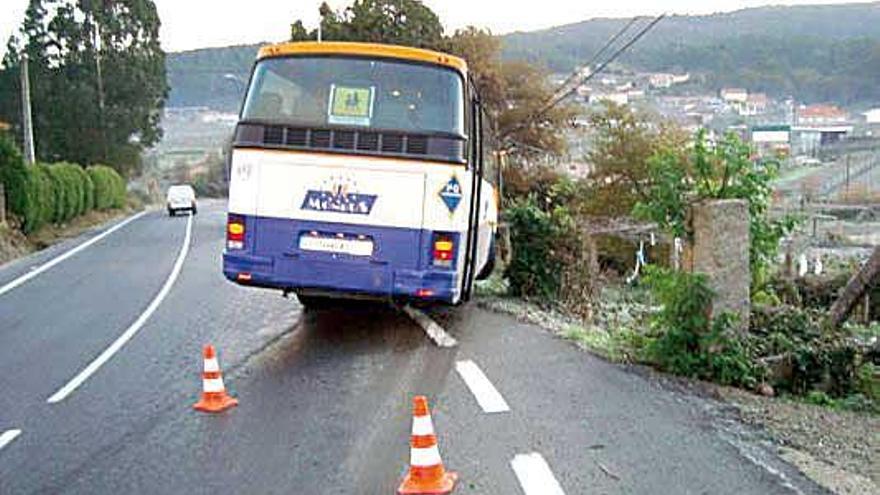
x: 360, y: 170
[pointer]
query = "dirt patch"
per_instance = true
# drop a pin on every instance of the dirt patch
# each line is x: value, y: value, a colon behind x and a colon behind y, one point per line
x: 837, y: 449
x: 14, y: 244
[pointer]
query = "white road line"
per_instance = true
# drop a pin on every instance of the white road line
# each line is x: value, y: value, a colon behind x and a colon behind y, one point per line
x: 108, y: 353
x: 434, y: 331
x: 8, y: 436
x: 535, y: 475
x: 486, y: 394
x: 34, y: 271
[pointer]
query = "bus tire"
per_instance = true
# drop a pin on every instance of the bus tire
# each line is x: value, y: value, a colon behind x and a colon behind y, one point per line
x: 489, y: 267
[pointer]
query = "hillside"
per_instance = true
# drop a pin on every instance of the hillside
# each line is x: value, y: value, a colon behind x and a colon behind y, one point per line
x: 562, y: 47
x: 814, y: 53
x: 211, y: 77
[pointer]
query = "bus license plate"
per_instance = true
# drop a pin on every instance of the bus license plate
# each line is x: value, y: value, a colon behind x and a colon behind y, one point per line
x: 355, y: 247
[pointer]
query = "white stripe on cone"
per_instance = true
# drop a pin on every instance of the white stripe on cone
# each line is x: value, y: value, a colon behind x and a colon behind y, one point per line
x: 213, y: 385
x: 425, y: 457
x: 211, y: 365
x: 422, y: 426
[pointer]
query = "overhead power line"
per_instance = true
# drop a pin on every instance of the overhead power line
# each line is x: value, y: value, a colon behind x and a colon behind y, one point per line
x: 598, y: 53
x: 558, y: 99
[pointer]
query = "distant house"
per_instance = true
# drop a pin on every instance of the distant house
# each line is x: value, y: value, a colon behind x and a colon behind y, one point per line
x: 755, y: 104
x: 872, y: 117
x: 663, y: 80
x: 821, y: 115
x: 734, y: 95
x: 735, y: 98
x: 618, y: 98
x: 772, y: 140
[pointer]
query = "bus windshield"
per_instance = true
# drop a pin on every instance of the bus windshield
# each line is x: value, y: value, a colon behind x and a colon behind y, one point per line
x: 356, y: 92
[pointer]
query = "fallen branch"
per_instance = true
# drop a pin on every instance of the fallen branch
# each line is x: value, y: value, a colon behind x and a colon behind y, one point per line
x: 856, y: 288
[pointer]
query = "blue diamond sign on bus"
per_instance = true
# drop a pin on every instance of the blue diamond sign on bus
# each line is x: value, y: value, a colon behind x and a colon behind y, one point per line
x: 451, y: 194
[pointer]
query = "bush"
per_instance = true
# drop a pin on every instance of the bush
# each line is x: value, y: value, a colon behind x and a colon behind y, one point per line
x: 109, y: 187
x: 52, y: 201
x: 692, y: 343
x: 88, y: 189
x: 13, y: 176
x: 41, y: 198
x: 550, y: 251
x: 813, y: 358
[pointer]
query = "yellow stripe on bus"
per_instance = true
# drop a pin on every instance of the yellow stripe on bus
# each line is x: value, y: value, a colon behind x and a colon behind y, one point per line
x: 367, y: 49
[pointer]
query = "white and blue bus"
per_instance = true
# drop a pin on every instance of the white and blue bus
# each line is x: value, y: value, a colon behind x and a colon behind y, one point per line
x: 357, y: 171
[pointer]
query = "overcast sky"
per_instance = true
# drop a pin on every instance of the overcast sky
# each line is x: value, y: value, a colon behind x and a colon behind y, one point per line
x: 188, y: 24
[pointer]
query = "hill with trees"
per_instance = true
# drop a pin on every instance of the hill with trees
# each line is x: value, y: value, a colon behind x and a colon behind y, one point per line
x: 814, y: 53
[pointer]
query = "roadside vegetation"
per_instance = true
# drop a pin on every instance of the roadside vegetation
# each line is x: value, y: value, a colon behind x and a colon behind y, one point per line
x: 662, y: 318
x: 85, y: 112
x: 48, y: 201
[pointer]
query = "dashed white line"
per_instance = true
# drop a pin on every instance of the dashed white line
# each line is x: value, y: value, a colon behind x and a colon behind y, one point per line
x: 534, y: 475
x: 108, y: 353
x: 34, y: 271
x: 486, y: 394
x: 8, y: 436
x: 434, y: 331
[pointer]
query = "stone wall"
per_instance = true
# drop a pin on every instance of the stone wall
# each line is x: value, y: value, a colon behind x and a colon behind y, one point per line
x: 721, y: 251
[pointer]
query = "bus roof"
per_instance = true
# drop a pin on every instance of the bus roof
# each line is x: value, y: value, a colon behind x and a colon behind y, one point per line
x: 369, y: 49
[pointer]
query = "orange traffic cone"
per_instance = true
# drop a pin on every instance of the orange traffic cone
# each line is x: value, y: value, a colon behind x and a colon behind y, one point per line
x: 214, y: 397
x: 426, y: 473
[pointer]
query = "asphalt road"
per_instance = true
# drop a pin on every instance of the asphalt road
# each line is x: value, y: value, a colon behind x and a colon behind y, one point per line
x: 324, y: 396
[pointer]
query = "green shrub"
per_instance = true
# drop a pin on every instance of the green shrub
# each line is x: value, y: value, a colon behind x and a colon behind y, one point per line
x: 816, y: 358
x: 40, y: 202
x: 692, y: 343
x: 14, y: 177
x: 70, y: 191
x: 109, y: 187
x: 53, y: 202
x: 88, y: 189
x: 532, y: 233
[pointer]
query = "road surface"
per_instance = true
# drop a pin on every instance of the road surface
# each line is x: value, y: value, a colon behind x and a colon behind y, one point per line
x: 101, y: 357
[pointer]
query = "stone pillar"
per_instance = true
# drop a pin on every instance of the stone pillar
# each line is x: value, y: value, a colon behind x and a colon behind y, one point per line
x: 721, y: 251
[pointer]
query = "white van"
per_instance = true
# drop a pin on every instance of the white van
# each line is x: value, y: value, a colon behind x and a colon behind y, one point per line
x: 181, y: 197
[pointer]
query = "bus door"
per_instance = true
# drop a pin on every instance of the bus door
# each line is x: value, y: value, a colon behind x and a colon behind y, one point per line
x: 476, y: 168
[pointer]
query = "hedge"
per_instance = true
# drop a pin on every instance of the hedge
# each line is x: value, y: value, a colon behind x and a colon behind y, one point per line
x: 43, y: 194
x: 71, y: 185
x: 109, y: 187
x: 14, y: 177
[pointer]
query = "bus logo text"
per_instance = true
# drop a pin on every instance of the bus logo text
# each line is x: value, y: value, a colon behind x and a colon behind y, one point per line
x: 339, y: 201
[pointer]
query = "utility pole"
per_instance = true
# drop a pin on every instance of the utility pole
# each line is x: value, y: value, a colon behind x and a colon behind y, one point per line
x: 847, y: 174
x: 27, y: 124
x: 319, y: 31
x: 96, y: 44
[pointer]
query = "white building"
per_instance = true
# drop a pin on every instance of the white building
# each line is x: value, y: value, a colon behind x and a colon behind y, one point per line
x: 872, y: 116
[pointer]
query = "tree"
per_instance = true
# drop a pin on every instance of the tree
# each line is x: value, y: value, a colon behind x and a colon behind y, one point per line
x: 401, y: 22
x: 624, y: 141
x: 512, y: 92
x: 724, y: 170
x: 98, y: 79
